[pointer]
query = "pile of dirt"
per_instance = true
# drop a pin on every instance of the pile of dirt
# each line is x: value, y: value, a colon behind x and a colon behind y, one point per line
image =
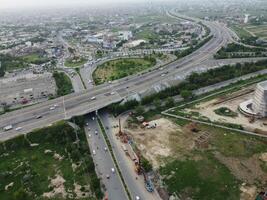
x: 248, y: 192
x: 57, y: 184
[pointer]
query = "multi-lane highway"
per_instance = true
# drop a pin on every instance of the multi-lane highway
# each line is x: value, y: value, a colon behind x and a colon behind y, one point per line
x: 103, y: 161
x: 100, y: 96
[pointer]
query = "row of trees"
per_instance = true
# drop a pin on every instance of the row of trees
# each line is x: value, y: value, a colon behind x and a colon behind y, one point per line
x: 238, y: 51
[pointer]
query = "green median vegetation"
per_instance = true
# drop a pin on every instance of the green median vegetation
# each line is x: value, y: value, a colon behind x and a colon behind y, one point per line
x: 33, y: 164
x: 63, y: 82
x: 116, y: 69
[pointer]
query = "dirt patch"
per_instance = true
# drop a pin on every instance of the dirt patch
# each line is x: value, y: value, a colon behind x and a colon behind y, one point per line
x: 263, y: 157
x: 78, y: 191
x: 161, y: 142
x: 57, y: 184
x: 248, y: 192
x: 246, y: 169
x: 58, y: 157
x: 10, y: 185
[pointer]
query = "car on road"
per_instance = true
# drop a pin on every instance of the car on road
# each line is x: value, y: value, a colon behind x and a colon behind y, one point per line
x: 94, y: 152
x: 87, y: 124
x: 52, y: 108
x: 112, y: 93
x: 38, y: 116
x: 96, y: 132
x: 93, y: 98
x: 93, y: 118
x: 107, y: 176
x: 18, y: 128
x: 7, y: 128
x: 137, y: 198
x: 90, y: 135
x: 106, y: 149
x: 112, y: 170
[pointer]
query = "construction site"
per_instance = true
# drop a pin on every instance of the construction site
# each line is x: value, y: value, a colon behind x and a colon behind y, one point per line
x: 164, y: 143
x: 227, y: 109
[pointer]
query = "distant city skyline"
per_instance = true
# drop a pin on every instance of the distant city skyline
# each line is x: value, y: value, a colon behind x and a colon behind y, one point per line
x: 56, y: 3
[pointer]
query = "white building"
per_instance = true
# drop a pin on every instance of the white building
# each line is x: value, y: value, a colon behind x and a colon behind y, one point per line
x: 258, y: 104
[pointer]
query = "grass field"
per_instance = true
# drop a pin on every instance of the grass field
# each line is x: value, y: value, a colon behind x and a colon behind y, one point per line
x: 48, y: 162
x: 203, y: 179
x: 35, y: 59
x: 63, y: 82
x: 77, y: 62
x: 120, y: 68
x: 259, y: 31
x: 241, y: 32
x: 215, y: 172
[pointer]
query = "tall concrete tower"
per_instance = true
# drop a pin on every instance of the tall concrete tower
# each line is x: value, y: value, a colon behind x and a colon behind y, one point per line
x: 259, y: 105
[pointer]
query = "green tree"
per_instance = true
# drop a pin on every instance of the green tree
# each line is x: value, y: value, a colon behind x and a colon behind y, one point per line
x: 186, y: 94
x: 21, y: 194
x: 157, y: 103
x: 169, y: 102
x: 139, y: 110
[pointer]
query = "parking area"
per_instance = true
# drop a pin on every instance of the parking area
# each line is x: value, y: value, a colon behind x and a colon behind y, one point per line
x: 26, y: 88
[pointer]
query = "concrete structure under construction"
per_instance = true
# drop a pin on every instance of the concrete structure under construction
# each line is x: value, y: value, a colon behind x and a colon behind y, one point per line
x: 258, y: 105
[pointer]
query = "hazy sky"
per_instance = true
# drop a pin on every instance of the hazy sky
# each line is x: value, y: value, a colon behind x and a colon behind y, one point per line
x: 39, y: 3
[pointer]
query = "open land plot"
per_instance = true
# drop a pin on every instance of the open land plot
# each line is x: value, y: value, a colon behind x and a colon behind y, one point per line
x: 49, y: 163
x: 241, y: 32
x: 224, y: 165
x: 120, y: 68
x: 249, y: 30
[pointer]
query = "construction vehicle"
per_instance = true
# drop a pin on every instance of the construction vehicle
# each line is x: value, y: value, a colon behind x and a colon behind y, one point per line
x: 148, y: 183
x: 106, y: 196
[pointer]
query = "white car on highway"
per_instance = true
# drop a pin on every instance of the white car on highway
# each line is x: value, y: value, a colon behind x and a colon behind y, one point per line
x: 94, y: 152
x: 18, y: 128
x: 93, y: 98
x: 113, y: 170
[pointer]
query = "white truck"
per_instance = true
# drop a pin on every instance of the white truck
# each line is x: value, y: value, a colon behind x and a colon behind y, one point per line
x: 7, y: 128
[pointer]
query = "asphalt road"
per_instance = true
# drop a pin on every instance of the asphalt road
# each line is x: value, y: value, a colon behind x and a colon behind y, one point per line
x: 136, y: 186
x: 103, y: 161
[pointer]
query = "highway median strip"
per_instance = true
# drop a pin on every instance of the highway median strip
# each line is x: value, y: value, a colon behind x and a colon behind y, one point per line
x: 113, y: 157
